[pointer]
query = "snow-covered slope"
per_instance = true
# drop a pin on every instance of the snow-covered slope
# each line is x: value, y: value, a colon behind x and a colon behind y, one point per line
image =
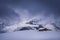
x: 30, y: 35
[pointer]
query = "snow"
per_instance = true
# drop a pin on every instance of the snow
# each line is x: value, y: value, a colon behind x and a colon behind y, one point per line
x: 30, y: 35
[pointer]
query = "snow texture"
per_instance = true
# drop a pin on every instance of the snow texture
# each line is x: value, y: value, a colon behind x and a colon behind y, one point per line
x: 30, y: 35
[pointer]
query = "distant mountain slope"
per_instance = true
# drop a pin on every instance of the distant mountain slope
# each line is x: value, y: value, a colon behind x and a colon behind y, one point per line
x: 29, y: 26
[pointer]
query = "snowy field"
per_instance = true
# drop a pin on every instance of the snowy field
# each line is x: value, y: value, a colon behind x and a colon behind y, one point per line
x: 30, y: 35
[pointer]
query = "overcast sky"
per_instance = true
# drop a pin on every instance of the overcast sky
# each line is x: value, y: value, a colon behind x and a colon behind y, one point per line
x: 34, y: 6
x: 28, y: 8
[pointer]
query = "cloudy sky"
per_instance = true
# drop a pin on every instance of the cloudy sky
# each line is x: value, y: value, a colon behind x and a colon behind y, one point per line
x: 16, y: 10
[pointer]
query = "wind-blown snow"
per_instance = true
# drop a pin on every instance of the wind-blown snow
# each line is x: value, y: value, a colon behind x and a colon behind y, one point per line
x: 30, y: 35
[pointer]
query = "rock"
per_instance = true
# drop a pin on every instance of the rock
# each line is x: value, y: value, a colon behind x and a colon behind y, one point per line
x: 52, y: 27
